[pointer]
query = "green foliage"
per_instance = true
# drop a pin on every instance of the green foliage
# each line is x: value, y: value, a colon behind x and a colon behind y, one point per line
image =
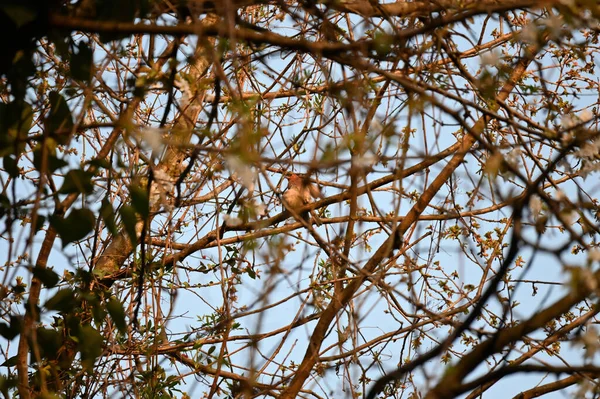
x: 10, y: 331
x: 129, y: 219
x: 121, y: 11
x: 15, y: 121
x: 383, y: 43
x: 21, y: 24
x: 157, y: 384
x: 139, y: 200
x: 108, y: 216
x: 63, y: 300
x: 49, y: 342
x: 52, y: 163
x: 117, y: 313
x: 20, y: 14
x: 59, y: 122
x: 82, y: 62
x: 74, y: 227
x: 47, y: 276
x: 77, y: 181
x: 10, y: 166
x: 90, y: 345
x: 7, y: 383
x: 72, y: 330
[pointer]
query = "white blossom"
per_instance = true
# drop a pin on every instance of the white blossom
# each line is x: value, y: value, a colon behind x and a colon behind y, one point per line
x: 588, y: 168
x: 566, y: 138
x: 535, y: 205
x: 232, y: 221
x: 242, y: 171
x: 365, y: 161
x: 529, y: 34
x: 586, y: 115
x: 154, y: 138
x: 554, y: 25
x: 185, y: 88
x: 590, y: 340
x: 568, y: 121
x: 588, y: 150
x: 491, y: 58
x: 260, y: 209
x: 376, y: 126
x: 513, y: 157
x: 164, y: 180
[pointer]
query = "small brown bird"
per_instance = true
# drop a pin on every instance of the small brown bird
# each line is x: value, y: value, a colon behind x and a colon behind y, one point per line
x: 301, y: 192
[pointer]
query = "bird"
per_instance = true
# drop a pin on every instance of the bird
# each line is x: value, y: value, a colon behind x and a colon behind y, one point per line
x: 299, y: 193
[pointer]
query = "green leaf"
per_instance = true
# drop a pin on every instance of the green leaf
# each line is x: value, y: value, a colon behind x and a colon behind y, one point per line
x: 117, y: 313
x: 47, y: 276
x: 10, y: 166
x: 73, y: 321
x: 20, y: 70
x: 59, y: 122
x: 11, y: 331
x: 10, y: 362
x: 77, y: 181
x: 61, y: 41
x: 49, y: 342
x: 108, y: 215
x: 20, y: 14
x: 82, y: 62
x: 15, y: 122
x: 49, y: 395
x: 139, y: 200
x: 4, y: 205
x: 53, y: 163
x: 90, y: 345
x: 100, y: 163
x: 129, y: 221
x: 4, y: 201
x: 39, y: 223
x: 120, y: 11
x: 7, y: 383
x: 75, y: 227
x: 62, y: 301
x: 98, y: 311
x: 84, y: 276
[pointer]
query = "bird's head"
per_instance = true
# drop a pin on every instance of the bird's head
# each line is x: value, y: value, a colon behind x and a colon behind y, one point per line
x: 294, y: 180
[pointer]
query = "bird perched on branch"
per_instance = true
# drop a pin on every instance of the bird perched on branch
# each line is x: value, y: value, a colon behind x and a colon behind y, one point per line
x: 299, y: 193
